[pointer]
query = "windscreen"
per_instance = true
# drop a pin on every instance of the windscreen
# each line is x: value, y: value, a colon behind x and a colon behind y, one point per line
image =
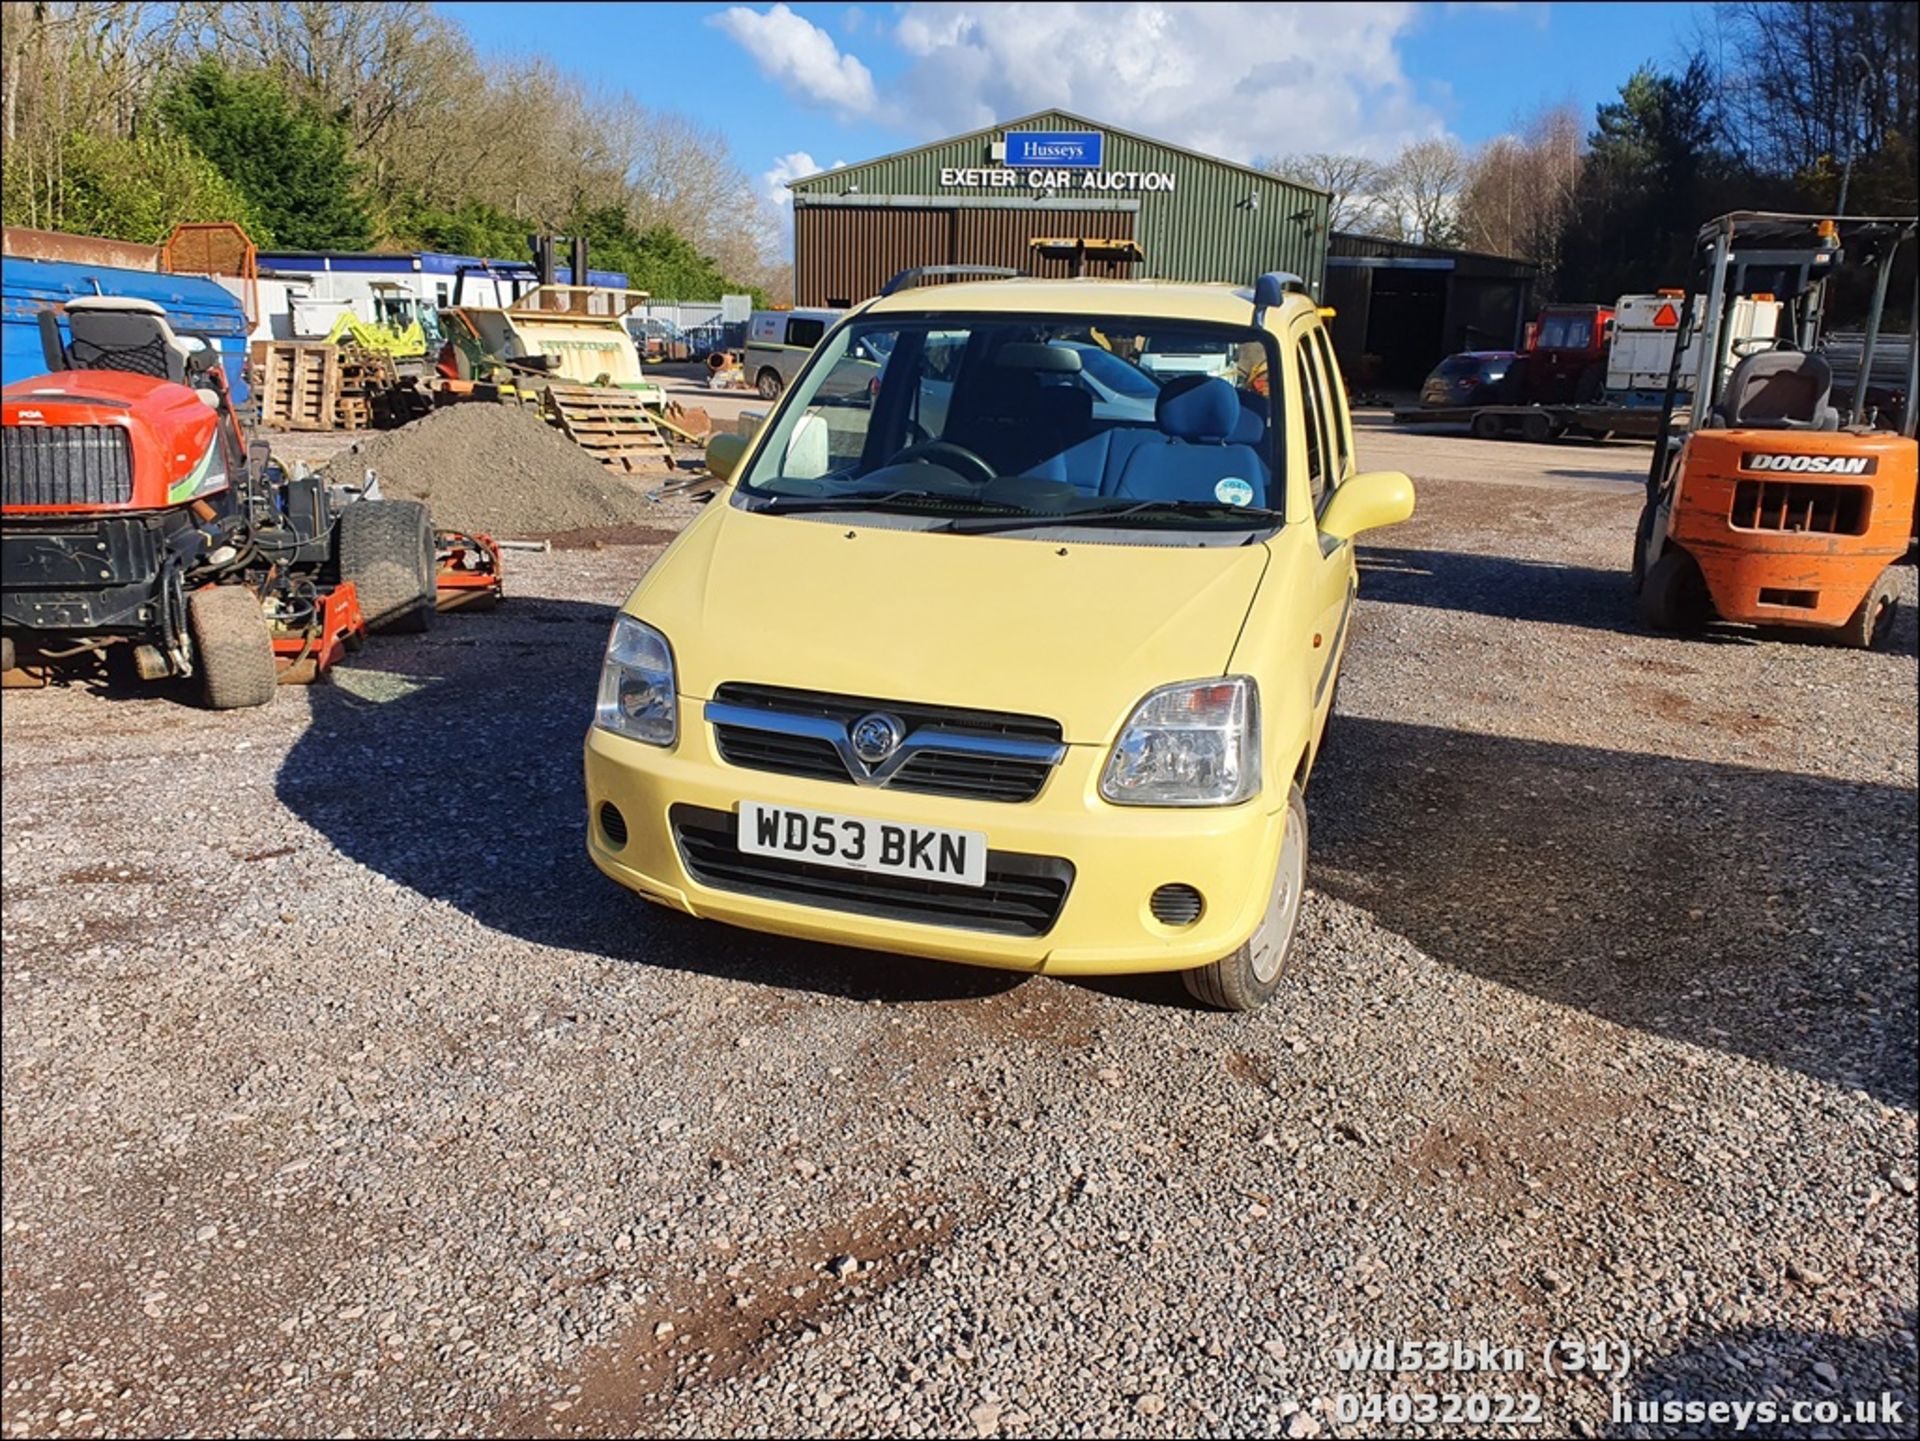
x: 1057, y: 414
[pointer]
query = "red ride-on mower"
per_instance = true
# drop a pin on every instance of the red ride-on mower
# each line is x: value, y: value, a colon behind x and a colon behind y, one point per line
x: 134, y: 515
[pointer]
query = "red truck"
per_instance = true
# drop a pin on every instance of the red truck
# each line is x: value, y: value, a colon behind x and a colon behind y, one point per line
x: 1564, y: 358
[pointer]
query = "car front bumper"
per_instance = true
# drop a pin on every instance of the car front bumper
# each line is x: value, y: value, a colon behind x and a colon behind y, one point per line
x: 1118, y: 854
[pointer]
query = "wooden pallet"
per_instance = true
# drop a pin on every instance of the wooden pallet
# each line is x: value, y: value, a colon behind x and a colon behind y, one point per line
x: 610, y: 425
x: 310, y: 385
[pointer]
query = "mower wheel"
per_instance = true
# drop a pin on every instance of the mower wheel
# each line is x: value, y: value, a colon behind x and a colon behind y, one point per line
x: 1870, y: 621
x: 232, y: 647
x: 386, y: 550
x: 1674, y: 594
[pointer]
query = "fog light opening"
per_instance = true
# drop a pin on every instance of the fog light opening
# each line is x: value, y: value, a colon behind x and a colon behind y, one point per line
x: 1176, y: 905
x: 613, y: 825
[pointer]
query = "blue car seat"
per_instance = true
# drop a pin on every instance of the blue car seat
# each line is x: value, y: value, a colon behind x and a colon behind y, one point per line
x: 1201, y: 441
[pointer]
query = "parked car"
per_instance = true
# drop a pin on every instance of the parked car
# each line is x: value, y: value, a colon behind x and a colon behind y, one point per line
x: 1473, y: 377
x: 778, y: 343
x: 1022, y: 684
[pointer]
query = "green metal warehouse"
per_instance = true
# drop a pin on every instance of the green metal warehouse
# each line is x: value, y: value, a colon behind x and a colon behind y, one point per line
x: 984, y: 197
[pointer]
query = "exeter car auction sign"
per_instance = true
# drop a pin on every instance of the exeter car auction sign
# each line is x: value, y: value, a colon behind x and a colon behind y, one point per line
x: 1054, y: 160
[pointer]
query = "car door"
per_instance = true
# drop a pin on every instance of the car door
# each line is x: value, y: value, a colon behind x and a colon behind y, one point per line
x: 1329, y: 464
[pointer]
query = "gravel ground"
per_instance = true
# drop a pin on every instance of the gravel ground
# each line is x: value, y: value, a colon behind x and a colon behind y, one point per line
x: 343, y: 1096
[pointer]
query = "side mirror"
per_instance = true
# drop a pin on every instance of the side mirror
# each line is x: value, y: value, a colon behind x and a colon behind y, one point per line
x: 1367, y: 502
x: 723, y: 454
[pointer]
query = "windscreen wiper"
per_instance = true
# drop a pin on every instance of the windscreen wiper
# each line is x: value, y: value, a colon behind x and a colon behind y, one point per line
x: 902, y: 500
x: 1239, y: 515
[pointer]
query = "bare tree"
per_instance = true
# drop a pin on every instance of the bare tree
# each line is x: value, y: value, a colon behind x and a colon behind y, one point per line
x: 1349, y: 180
x: 1420, y: 191
x: 1788, y: 78
x: 1520, y: 188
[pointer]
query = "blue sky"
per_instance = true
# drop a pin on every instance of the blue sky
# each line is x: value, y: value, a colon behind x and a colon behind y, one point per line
x: 795, y: 87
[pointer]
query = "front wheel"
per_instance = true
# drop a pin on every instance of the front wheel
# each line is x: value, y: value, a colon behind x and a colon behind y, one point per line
x: 232, y: 647
x: 1244, y: 980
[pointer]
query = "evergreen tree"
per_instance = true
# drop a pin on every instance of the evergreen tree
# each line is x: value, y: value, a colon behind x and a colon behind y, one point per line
x: 287, y: 157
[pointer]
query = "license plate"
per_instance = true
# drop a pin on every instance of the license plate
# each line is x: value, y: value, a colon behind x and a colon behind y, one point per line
x: 853, y: 843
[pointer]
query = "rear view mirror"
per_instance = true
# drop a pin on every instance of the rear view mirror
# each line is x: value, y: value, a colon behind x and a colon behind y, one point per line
x: 1367, y: 502
x: 723, y: 454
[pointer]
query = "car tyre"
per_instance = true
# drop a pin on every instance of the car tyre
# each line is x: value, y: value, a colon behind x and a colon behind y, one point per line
x: 1246, y: 979
x: 1674, y: 594
x: 232, y: 647
x: 386, y: 549
x: 1537, y: 429
x: 1486, y: 427
x: 768, y: 384
x: 1871, y: 620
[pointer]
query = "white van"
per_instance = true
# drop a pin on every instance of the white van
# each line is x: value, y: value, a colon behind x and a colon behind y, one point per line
x: 778, y: 343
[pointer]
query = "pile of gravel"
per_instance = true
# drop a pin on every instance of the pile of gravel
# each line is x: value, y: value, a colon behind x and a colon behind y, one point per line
x: 500, y: 470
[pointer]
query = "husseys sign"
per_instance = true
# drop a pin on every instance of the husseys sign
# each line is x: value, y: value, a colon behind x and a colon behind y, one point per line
x: 1777, y: 464
x: 1054, y: 160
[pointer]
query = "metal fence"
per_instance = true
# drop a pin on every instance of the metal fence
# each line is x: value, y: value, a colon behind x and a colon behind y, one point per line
x: 703, y: 324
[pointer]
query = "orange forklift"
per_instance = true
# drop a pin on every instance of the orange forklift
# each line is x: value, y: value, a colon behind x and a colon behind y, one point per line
x: 1766, y: 504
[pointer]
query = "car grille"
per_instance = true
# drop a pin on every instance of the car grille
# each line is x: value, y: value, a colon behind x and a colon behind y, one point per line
x: 68, y: 465
x: 1812, y: 507
x: 928, y: 771
x: 1022, y: 897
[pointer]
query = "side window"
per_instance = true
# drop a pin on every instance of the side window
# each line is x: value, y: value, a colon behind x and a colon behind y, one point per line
x: 1340, y: 420
x: 805, y: 332
x: 1313, y: 422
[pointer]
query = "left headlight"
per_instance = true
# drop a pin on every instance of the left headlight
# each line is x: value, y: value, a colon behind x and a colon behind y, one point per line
x: 638, y: 698
x: 1192, y: 744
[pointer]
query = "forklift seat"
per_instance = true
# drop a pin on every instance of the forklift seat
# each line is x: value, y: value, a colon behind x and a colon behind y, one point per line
x: 1779, y: 390
x: 111, y: 332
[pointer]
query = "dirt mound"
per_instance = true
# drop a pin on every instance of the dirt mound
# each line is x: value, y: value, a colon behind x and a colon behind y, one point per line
x: 500, y: 470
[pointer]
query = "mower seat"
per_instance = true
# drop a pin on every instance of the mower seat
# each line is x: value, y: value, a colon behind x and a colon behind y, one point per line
x: 1778, y: 390
x: 111, y: 332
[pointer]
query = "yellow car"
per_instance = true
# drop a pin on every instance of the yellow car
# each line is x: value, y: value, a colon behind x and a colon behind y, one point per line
x: 994, y: 659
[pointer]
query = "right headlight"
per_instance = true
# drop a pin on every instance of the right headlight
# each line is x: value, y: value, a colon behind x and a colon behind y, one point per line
x: 637, y: 696
x: 1192, y: 744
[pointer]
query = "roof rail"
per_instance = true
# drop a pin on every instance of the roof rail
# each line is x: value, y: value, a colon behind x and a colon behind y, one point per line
x: 908, y: 278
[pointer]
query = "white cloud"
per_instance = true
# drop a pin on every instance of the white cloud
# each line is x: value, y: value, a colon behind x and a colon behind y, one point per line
x: 773, y: 183
x: 801, y: 58
x: 1236, y: 80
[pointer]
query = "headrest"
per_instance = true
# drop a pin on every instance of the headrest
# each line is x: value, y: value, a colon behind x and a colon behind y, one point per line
x: 1251, y: 428
x: 1197, y: 407
x: 124, y: 304
x: 1030, y: 355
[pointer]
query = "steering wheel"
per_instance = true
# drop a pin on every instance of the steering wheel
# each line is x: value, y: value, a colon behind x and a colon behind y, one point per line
x: 940, y: 450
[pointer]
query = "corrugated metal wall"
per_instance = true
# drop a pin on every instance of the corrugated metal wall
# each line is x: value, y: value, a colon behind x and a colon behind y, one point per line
x: 1221, y: 222
x: 852, y: 250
